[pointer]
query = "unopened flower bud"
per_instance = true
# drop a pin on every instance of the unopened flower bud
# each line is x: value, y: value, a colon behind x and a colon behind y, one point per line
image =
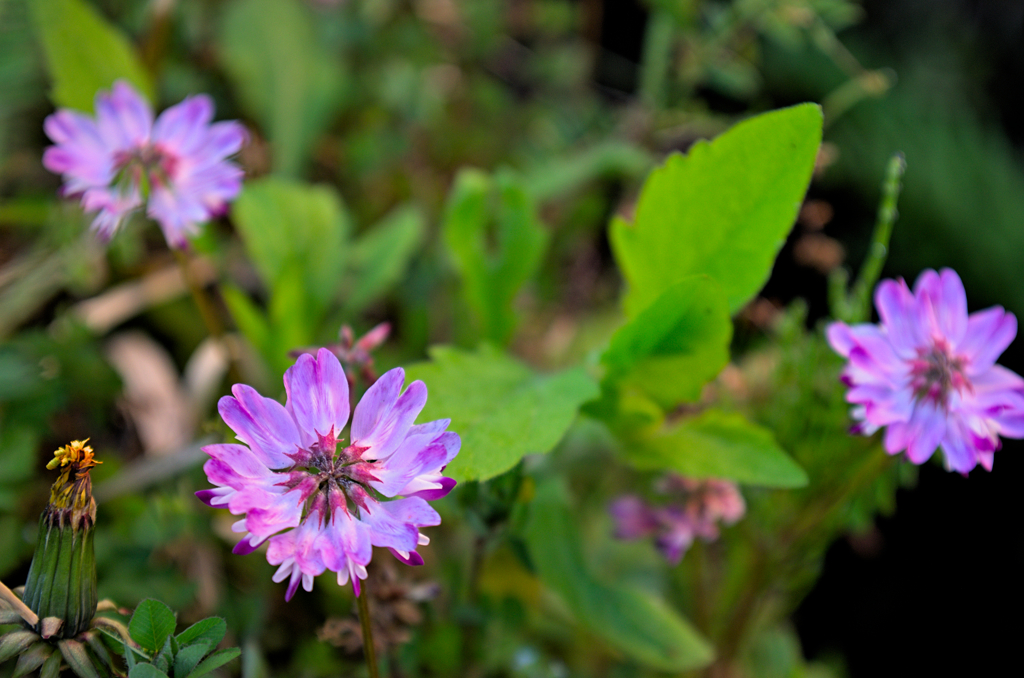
x: 61, y: 581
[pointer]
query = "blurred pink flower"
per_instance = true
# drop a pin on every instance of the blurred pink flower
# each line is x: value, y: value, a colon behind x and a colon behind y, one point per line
x: 121, y: 160
x: 290, y: 459
x: 700, y: 506
x: 927, y: 373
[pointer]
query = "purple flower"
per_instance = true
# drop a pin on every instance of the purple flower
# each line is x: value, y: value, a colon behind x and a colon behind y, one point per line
x: 701, y: 505
x: 927, y: 373
x: 121, y: 160
x: 333, y: 504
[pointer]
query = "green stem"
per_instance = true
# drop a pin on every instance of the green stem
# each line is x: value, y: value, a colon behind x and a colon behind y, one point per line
x: 364, y: 619
x: 861, y: 294
x: 656, y: 59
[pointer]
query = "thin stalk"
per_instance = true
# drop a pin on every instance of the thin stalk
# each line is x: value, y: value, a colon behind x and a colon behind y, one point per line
x: 209, y: 314
x: 20, y: 607
x: 210, y: 319
x: 364, y: 620
x: 657, y: 58
x: 879, y: 250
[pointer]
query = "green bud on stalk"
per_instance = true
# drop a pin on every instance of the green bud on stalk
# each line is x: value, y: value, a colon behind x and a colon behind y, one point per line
x: 61, y: 581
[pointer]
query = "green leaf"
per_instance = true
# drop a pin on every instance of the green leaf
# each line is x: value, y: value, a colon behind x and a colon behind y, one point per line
x: 675, y: 345
x: 381, y: 256
x: 491, y: 228
x: 205, y: 632
x: 284, y: 76
x: 500, y: 408
x: 146, y: 671
x: 84, y: 53
x: 717, y: 444
x: 187, y: 659
x: 632, y: 621
x: 151, y: 625
x: 723, y: 210
x: 215, y: 660
x: 288, y: 224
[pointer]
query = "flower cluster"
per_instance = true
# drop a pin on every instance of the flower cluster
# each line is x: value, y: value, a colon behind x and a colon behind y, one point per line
x: 927, y: 373
x: 700, y: 505
x: 121, y: 160
x: 289, y: 473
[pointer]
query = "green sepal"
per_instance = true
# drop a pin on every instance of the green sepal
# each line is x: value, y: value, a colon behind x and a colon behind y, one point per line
x: 32, y: 658
x: 77, y: 658
x: 16, y: 642
x: 51, y: 667
x: 9, y: 617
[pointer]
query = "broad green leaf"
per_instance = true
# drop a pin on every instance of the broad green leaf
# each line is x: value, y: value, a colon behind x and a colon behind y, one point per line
x: 717, y: 444
x: 500, y: 408
x: 675, y: 345
x: 629, y: 620
x: 205, y: 632
x: 151, y: 625
x: 723, y: 209
x: 284, y: 77
x: 84, y: 53
x: 381, y: 256
x: 286, y: 224
x: 491, y: 228
x: 146, y: 671
x: 215, y: 661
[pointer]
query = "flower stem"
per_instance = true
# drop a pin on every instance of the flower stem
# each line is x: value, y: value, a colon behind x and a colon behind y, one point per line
x: 859, y: 305
x: 364, y: 620
x: 21, y: 608
x: 210, y: 319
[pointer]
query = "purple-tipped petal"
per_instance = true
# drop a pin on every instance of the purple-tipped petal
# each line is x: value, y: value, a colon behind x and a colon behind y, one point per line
x: 317, y: 395
x: 261, y: 423
x: 412, y: 558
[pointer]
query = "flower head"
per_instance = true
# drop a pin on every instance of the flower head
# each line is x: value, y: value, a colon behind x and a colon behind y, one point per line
x: 698, y: 508
x: 121, y: 160
x: 322, y: 505
x: 927, y: 373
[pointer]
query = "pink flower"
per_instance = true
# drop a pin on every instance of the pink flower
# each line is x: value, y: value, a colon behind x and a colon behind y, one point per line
x: 700, y: 506
x: 290, y: 459
x: 927, y: 373
x: 121, y: 160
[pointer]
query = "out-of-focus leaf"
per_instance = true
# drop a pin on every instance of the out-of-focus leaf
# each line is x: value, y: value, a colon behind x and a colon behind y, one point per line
x: 151, y: 624
x: 717, y: 444
x: 17, y: 457
x: 214, y: 661
x: 287, y: 223
x: 250, y: 319
x: 284, y: 76
x: 500, y: 408
x: 491, y: 228
x: 613, y: 157
x: 723, y: 210
x: 380, y: 257
x: 84, y: 53
x: 631, y: 621
x: 675, y: 345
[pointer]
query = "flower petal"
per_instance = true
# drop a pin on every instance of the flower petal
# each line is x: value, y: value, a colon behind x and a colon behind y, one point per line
x: 317, y: 395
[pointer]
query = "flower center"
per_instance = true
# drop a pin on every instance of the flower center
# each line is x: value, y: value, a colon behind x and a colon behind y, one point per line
x: 146, y: 165
x: 323, y: 471
x: 936, y: 373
